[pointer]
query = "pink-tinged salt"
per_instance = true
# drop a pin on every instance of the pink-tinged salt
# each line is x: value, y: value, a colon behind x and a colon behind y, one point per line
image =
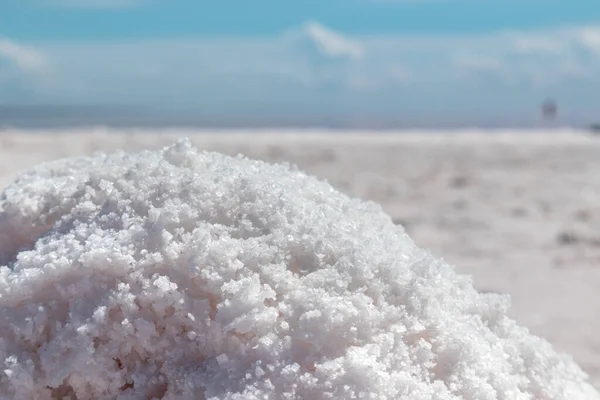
x: 180, y: 274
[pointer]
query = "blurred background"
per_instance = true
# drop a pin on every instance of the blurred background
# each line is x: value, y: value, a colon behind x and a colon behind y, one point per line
x: 310, y: 63
x: 469, y: 121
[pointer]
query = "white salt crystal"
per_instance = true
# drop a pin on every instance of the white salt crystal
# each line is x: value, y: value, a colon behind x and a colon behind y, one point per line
x: 190, y: 275
x: 192, y: 335
x: 222, y: 359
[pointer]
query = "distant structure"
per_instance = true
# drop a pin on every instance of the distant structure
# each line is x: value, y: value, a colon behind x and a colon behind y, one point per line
x: 549, y: 110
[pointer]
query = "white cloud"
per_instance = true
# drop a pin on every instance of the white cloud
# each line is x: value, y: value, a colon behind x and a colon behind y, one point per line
x: 590, y: 38
x: 537, y: 45
x: 24, y: 57
x: 332, y: 43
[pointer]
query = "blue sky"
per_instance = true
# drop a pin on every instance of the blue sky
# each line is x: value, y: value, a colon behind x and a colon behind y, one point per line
x: 354, y: 62
x: 118, y: 19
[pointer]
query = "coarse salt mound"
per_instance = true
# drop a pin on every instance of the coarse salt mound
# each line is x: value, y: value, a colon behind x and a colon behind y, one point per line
x: 181, y: 274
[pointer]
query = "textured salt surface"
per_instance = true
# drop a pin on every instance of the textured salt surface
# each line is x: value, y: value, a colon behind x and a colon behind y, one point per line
x: 185, y: 275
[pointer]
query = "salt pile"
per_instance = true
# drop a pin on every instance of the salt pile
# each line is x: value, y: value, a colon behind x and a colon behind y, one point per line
x: 180, y: 274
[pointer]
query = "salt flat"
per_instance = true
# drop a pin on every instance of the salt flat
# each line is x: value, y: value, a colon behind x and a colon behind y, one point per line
x: 517, y: 210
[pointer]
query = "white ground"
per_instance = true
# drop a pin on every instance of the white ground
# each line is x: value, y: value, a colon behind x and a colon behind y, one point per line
x: 520, y: 211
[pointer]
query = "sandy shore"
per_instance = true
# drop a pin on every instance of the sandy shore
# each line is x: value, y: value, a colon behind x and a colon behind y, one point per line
x: 520, y: 211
